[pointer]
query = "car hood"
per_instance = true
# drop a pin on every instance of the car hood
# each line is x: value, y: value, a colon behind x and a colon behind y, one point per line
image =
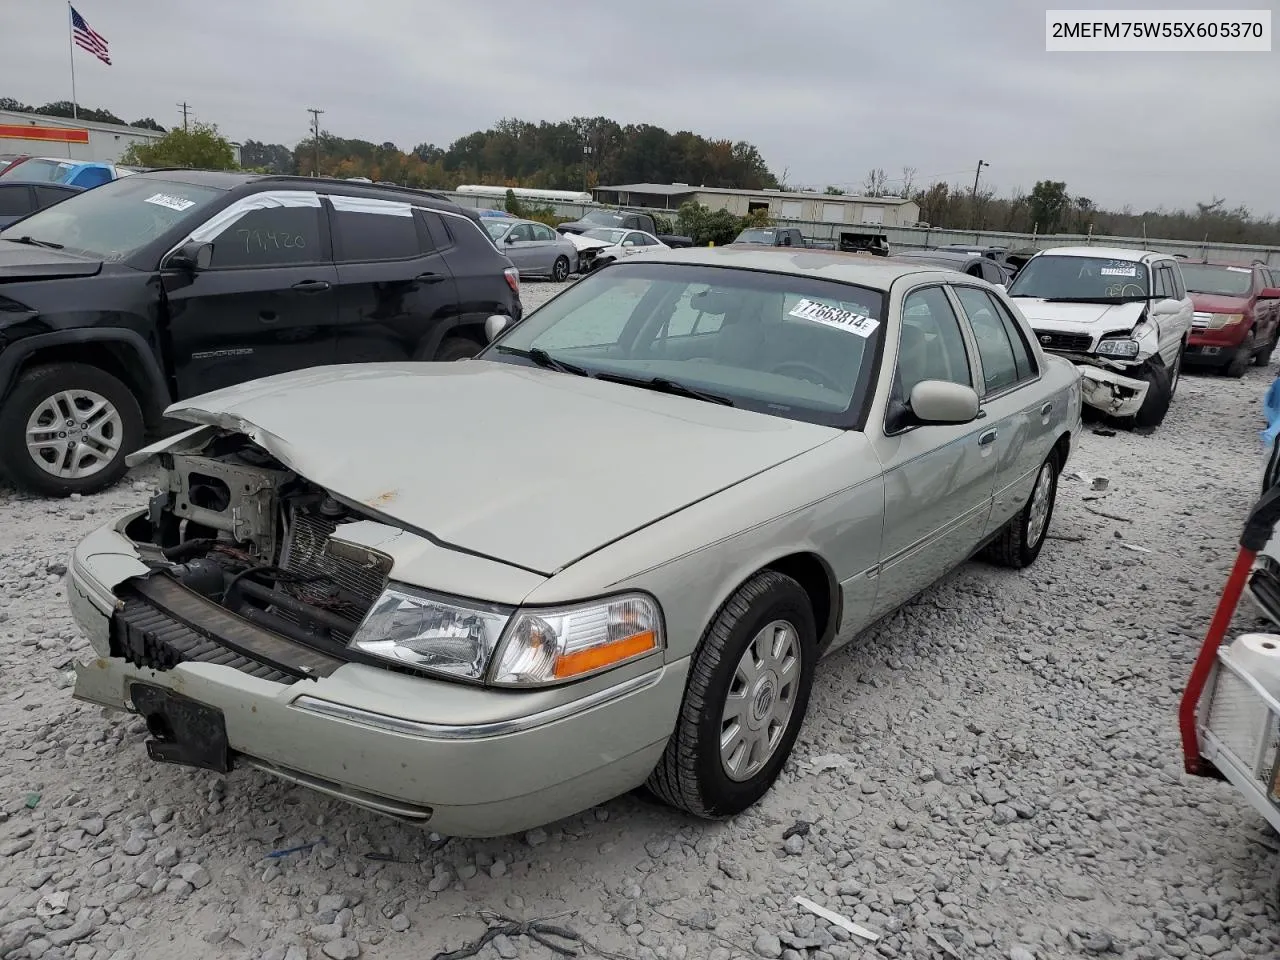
x: 22, y: 261
x: 1216, y: 303
x: 519, y: 464
x: 585, y: 243
x: 1047, y: 315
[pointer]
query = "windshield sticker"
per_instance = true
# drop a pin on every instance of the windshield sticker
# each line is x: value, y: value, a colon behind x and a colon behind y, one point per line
x: 1239, y: 269
x: 857, y: 323
x: 1119, y: 271
x: 173, y: 203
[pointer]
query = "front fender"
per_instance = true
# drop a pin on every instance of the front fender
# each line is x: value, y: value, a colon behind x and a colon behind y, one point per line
x: 16, y: 354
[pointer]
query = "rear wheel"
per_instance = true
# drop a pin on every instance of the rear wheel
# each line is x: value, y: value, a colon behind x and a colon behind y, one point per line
x: 744, y: 702
x: 66, y: 428
x: 1020, y: 541
x: 1263, y: 356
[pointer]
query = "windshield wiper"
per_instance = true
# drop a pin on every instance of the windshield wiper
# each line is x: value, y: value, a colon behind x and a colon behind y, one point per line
x: 1131, y: 299
x: 33, y: 242
x: 544, y: 359
x: 663, y: 385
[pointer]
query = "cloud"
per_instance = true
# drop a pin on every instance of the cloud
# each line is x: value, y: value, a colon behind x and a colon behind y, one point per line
x: 827, y: 89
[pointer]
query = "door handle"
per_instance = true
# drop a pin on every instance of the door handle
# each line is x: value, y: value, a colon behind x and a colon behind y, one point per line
x: 1046, y: 409
x: 430, y: 277
x: 267, y: 316
x: 987, y: 438
x: 311, y: 286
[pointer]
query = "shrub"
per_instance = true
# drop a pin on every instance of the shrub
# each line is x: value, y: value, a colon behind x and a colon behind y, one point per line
x: 706, y: 226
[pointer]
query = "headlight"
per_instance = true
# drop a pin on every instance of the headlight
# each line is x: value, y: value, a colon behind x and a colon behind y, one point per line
x: 431, y: 632
x: 1219, y: 320
x: 1117, y: 348
x: 459, y: 638
x: 546, y: 646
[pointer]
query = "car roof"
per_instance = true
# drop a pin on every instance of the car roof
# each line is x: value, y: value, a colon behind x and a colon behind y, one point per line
x: 1108, y: 253
x: 940, y: 256
x: 863, y: 269
x: 1227, y: 263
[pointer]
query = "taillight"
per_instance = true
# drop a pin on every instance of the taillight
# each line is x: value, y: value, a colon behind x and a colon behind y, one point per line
x: 513, y: 279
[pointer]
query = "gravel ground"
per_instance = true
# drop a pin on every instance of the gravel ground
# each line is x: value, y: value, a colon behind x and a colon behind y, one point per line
x: 994, y: 772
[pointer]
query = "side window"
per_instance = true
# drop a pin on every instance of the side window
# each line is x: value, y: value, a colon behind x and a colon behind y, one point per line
x: 974, y: 269
x: 521, y: 233
x: 1163, y: 283
x: 1179, y: 287
x: 269, y: 237
x: 931, y: 346
x: 999, y: 362
x: 635, y: 239
x: 543, y: 233
x: 15, y: 202
x: 991, y: 272
x: 1023, y: 355
x: 48, y: 196
x: 361, y: 237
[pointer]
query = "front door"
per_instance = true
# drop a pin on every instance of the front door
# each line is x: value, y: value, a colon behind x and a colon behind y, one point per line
x: 521, y: 248
x: 938, y: 478
x: 394, y: 287
x: 267, y: 302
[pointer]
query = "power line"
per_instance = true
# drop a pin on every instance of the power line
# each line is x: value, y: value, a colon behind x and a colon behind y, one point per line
x: 315, y: 130
x: 184, y: 106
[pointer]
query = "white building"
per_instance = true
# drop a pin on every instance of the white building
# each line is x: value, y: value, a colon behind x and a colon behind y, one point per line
x: 85, y: 140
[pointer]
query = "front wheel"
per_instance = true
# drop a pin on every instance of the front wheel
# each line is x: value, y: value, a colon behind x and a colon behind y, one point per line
x: 1159, y: 396
x: 66, y: 428
x: 1019, y: 543
x: 745, y: 700
x: 560, y: 270
x: 1243, y: 357
x: 1263, y: 356
x: 458, y: 348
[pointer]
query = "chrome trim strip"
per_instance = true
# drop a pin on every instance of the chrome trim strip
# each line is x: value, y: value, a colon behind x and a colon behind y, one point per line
x: 476, y: 731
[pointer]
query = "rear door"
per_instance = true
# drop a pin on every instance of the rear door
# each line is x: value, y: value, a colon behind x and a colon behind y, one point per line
x: 1021, y: 425
x: 266, y: 304
x: 394, y: 286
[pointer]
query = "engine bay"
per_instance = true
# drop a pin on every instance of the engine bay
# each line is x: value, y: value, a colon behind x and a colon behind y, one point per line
x: 235, y: 526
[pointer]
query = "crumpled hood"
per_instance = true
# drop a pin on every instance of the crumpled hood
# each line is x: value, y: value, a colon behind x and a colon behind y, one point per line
x: 1090, y: 318
x: 523, y: 465
x: 584, y: 243
x: 22, y: 261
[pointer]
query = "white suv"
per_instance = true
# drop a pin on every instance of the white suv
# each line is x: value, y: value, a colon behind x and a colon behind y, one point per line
x: 1122, y: 316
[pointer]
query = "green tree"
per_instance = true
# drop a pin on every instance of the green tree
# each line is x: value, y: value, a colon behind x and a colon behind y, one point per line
x: 1048, y: 202
x: 512, y: 204
x: 201, y: 147
x: 147, y: 123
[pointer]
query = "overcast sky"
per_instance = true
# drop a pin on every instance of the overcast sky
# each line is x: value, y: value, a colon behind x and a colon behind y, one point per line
x: 827, y: 89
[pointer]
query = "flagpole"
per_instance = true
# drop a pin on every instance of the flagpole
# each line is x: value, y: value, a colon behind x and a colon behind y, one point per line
x: 71, y: 50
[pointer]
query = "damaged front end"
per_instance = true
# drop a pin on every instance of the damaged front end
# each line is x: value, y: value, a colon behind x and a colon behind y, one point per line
x: 1113, y: 393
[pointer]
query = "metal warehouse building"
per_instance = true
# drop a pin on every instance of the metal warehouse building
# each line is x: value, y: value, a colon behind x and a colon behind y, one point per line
x: 38, y: 135
x: 780, y: 204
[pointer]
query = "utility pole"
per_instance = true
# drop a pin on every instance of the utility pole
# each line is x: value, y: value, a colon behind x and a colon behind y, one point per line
x: 184, y: 107
x: 315, y: 132
x: 974, y: 200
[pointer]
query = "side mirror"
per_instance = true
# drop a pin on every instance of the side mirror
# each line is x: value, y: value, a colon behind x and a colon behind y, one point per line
x: 1001, y: 287
x: 939, y: 401
x: 628, y: 243
x: 192, y: 255
x: 1270, y: 293
x: 509, y: 239
x: 1166, y: 308
x: 495, y: 325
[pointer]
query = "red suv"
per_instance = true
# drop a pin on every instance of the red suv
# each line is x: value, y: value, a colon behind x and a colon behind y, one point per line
x: 1237, y: 314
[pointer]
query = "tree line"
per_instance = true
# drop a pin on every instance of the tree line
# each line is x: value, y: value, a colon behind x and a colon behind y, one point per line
x: 585, y: 152
x: 64, y: 108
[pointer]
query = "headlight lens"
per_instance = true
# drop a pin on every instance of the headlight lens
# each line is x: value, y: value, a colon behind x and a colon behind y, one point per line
x: 1219, y: 320
x: 547, y: 646
x: 431, y: 632
x: 1117, y: 348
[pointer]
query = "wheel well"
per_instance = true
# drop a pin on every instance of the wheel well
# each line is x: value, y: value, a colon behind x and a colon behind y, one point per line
x: 819, y: 582
x: 1062, y: 449
x: 112, y: 358
x: 466, y: 331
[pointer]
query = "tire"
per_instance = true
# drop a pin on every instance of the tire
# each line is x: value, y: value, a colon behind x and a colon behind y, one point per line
x: 1263, y: 356
x: 560, y: 270
x: 692, y: 775
x: 1156, y: 403
x: 457, y: 348
x: 1175, y: 375
x: 44, y: 395
x: 1244, y: 356
x: 1019, y: 543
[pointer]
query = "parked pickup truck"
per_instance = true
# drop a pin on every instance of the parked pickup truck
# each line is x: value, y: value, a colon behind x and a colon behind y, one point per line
x: 623, y: 220
x: 772, y: 237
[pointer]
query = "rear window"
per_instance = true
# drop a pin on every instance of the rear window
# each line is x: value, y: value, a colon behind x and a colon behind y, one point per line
x: 1217, y: 280
x: 14, y: 202
x: 37, y: 170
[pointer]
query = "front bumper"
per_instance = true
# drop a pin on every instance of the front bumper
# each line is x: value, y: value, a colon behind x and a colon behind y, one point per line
x: 1112, y: 393
x: 464, y: 760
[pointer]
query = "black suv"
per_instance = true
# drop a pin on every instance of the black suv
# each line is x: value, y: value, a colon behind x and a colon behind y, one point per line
x: 167, y: 284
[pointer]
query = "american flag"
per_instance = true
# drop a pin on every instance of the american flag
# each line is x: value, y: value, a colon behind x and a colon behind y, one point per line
x: 87, y: 39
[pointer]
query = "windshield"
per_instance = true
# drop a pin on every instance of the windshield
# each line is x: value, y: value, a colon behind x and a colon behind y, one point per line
x: 1218, y: 280
x: 790, y: 346
x: 496, y: 227
x: 119, y: 218
x: 606, y: 217
x: 755, y: 236
x: 38, y: 171
x: 1057, y: 277
x: 608, y: 236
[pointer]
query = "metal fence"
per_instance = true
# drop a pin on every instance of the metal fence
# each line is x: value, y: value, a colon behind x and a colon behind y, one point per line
x: 926, y: 238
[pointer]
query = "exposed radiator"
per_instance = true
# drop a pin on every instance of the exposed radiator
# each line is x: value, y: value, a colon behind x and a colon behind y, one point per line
x: 333, y: 583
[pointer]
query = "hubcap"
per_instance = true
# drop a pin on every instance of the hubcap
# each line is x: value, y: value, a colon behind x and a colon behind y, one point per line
x: 761, y: 699
x: 1039, y: 514
x: 74, y: 434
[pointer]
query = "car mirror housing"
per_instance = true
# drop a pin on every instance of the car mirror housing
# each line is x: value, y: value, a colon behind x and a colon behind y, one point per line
x: 1166, y: 307
x: 939, y: 401
x: 1270, y: 293
x: 495, y: 325
x: 193, y: 255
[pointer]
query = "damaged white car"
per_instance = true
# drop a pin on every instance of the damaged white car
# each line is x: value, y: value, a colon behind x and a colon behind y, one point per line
x: 1122, y: 316
x: 609, y: 551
